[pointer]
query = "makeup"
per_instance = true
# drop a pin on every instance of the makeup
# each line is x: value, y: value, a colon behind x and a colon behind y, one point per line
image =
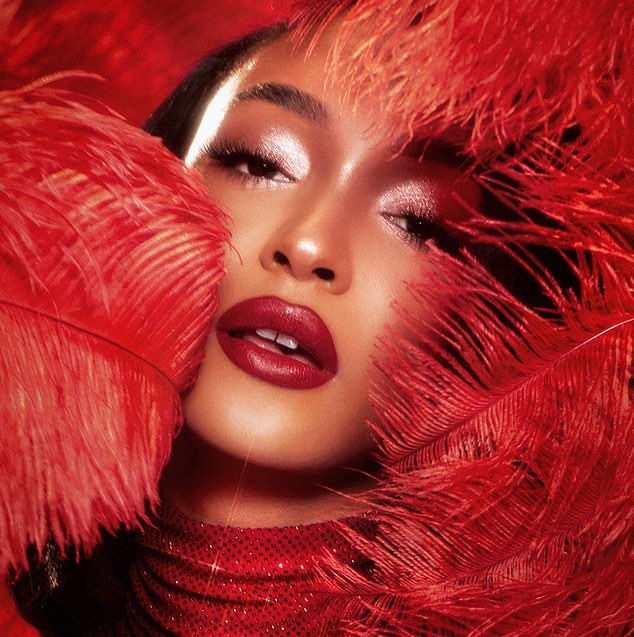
x: 276, y: 156
x: 281, y: 343
x: 215, y: 112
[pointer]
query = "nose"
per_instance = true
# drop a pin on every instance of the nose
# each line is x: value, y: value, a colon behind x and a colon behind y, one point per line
x: 310, y: 244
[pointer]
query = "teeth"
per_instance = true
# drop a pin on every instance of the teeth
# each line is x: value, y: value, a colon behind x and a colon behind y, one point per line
x: 267, y: 334
x: 278, y: 337
x: 287, y: 341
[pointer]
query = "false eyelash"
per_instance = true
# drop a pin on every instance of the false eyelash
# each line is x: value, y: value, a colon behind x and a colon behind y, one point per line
x: 225, y: 153
x: 225, y: 150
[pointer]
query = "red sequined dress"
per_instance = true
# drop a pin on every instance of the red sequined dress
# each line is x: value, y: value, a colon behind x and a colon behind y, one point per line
x: 192, y: 578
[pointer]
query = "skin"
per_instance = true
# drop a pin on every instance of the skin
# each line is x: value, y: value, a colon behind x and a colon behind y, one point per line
x: 324, y: 223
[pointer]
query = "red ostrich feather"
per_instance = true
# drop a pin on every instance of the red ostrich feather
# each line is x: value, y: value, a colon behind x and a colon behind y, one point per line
x: 111, y: 254
x: 141, y: 49
x: 507, y: 430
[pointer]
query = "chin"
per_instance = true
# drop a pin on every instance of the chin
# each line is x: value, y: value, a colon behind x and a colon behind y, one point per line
x: 283, y: 447
x: 310, y: 431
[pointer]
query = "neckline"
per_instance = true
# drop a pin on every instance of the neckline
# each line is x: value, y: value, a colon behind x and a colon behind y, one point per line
x: 195, y: 578
x: 262, y: 551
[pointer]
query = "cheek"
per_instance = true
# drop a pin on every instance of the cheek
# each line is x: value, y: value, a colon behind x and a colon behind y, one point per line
x: 254, y: 219
x: 391, y: 291
x: 381, y: 288
x: 384, y: 281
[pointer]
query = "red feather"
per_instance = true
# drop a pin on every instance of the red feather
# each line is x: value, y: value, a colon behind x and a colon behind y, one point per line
x: 141, y: 49
x: 11, y: 623
x: 506, y: 430
x: 110, y: 257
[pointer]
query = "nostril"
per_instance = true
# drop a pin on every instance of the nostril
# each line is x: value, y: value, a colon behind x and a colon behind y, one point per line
x: 326, y: 274
x: 280, y: 258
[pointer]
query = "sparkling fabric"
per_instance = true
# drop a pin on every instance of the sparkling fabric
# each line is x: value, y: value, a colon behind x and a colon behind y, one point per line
x: 192, y: 578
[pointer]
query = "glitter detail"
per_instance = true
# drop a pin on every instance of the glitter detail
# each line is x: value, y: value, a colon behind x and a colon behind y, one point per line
x: 192, y: 579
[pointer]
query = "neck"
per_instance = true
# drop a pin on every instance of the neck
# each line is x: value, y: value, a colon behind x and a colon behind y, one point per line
x: 211, y: 486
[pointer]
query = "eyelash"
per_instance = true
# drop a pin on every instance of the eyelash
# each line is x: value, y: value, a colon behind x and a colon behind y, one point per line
x: 228, y: 156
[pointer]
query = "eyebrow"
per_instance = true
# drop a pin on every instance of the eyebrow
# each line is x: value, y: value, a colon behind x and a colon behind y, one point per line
x: 289, y: 98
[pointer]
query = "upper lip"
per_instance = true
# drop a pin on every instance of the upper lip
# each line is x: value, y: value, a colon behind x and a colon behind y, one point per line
x: 298, y: 321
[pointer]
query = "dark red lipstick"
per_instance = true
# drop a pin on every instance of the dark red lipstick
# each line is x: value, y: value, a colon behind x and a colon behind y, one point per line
x: 284, y: 344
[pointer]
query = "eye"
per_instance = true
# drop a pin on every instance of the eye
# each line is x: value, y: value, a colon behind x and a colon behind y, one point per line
x: 248, y: 165
x: 415, y: 227
x: 255, y: 166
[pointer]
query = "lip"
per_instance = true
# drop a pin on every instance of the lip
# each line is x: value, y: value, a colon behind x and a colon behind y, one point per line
x: 298, y: 321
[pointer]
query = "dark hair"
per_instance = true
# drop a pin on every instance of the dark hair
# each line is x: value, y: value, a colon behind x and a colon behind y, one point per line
x: 172, y: 120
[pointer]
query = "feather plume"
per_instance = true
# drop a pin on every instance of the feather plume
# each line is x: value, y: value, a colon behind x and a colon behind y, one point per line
x: 110, y: 256
x: 140, y: 49
x: 501, y: 70
x: 507, y: 438
x: 506, y: 421
x: 507, y: 505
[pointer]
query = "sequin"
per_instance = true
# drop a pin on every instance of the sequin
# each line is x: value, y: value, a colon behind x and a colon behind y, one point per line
x: 191, y: 579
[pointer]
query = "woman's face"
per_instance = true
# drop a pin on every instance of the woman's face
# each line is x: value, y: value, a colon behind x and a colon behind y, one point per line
x: 327, y: 225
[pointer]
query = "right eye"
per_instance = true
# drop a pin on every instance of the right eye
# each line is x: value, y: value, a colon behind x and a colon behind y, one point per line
x: 255, y: 166
x: 248, y: 165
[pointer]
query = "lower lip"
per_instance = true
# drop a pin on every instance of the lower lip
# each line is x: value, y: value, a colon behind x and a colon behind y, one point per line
x: 270, y: 366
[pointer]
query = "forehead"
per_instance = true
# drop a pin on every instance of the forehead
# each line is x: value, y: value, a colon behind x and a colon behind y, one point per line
x: 284, y: 62
x: 283, y: 59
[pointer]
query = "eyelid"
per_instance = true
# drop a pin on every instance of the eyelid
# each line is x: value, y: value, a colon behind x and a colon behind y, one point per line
x: 278, y: 145
x: 288, y: 150
x: 411, y: 197
x: 226, y: 153
x: 410, y: 210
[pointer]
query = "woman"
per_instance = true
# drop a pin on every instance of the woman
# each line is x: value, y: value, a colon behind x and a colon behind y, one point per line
x: 334, y: 207
x: 313, y: 260
x: 276, y: 431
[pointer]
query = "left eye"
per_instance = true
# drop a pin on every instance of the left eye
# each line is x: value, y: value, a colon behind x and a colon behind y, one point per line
x: 414, y: 227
